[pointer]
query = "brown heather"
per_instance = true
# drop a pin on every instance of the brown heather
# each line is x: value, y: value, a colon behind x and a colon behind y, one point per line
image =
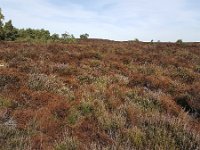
x: 98, y: 94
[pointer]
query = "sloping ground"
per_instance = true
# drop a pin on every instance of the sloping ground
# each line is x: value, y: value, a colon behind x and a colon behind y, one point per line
x: 99, y: 94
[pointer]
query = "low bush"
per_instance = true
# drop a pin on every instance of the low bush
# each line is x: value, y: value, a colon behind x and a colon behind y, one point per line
x: 7, y: 79
x: 84, y: 36
x: 179, y: 41
x: 86, y: 108
x: 11, y: 138
x: 4, y: 102
x: 63, y: 70
x: 183, y: 74
x: 197, y: 69
x: 73, y: 116
x: 68, y: 143
x: 144, y: 103
x: 42, y: 82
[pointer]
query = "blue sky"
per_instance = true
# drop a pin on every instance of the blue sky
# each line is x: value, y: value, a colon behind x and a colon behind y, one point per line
x: 165, y: 20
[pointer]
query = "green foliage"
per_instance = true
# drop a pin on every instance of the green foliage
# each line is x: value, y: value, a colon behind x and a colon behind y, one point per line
x: 73, y: 116
x: 10, y: 33
x: 179, y: 41
x: 135, y: 136
x: 1, y: 18
x: 55, y: 37
x: 1, y: 25
x: 84, y: 36
x: 144, y: 103
x: 4, y: 102
x: 1, y: 34
x: 197, y: 69
x: 136, y: 40
x: 33, y: 35
x: 86, y: 108
x: 66, y: 37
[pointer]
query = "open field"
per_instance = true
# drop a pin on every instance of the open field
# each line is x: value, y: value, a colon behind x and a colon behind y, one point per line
x: 98, y: 94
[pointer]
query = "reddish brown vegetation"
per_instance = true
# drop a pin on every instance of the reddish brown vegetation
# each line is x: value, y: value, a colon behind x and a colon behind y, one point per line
x: 45, y: 82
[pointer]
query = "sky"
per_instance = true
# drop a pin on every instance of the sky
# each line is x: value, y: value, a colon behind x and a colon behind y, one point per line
x: 146, y: 20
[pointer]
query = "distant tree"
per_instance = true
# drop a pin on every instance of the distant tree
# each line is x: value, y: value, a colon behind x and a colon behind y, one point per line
x: 70, y: 38
x: 26, y: 34
x: 22, y: 35
x: 1, y: 25
x: 33, y: 35
x: 43, y: 34
x: 179, y: 41
x: 84, y: 36
x: 1, y: 18
x: 10, y: 32
x: 73, y: 39
x: 55, y: 37
x: 65, y: 35
x: 136, y: 40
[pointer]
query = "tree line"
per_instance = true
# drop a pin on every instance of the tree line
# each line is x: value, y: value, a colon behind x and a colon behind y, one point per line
x: 10, y: 33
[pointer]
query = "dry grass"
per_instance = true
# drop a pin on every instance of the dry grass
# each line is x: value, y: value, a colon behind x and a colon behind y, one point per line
x: 98, y: 94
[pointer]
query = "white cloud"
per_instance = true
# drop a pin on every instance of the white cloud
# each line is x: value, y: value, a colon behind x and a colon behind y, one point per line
x: 115, y: 19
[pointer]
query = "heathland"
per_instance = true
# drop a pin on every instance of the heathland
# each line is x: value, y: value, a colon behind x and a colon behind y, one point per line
x: 99, y: 94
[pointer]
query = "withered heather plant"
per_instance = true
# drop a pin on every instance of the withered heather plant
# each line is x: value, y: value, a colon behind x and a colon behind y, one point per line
x: 99, y: 94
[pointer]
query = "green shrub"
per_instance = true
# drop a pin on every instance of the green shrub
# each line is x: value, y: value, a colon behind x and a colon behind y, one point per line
x: 179, y: 41
x: 197, y: 69
x: 69, y: 38
x: 73, y: 116
x: 55, y: 37
x: 86, y: 108
x: 4, y: 102
x: 84, y: 36
x: 144, y: 102
x: 136, y: 40
x: 135, y: 136
x: 2, y: 36
x: 10, y: 32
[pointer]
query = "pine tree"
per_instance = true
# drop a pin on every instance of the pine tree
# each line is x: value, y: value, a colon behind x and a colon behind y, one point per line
x: 1, y: 26
x: 84, y: 36
x: 10, y: 32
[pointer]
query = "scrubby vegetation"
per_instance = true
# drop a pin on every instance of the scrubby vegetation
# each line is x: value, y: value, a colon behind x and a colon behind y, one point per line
x: 66, y: 94
x: 84, y: 36
x: 9, y: 33
x: 97, y: 94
